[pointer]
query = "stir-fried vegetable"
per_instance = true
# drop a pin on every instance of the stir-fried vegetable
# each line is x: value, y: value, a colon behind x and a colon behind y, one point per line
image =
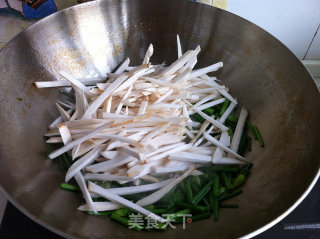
x: 151, y: 139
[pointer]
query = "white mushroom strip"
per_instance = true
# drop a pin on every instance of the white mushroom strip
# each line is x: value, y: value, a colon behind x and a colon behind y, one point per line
x: 123, y: 66
x: 140, y: 170
x: 193, y: 61
x: 190, y: 157
x: 106, y: 177
x: 175, y: 169
x: 205, y: 70
x: 65, y: 133
x: 239, y: 129
x: 109, y: 154
x: 123, y: 99
x: 150, y: 178
x: 57, y: 121
x: 82, y: 162
x: 148, y: 55
x: 86, y: 147
x: 200, y: 131
x: 225, y: 148
x: 110, y: 164
x: 70, y: 145
x: 54, y: 140
x: 64, y: 83
x: 115, y: 198
x: 167, y: 153
x: 227, y: 112
x: 212, y: 120
x: 139, y: 189
x: 100, y: 206
x: 179, y: 46
x: 221, y: 91
x: 210, y: 104
x: 67, y: 104
x: 64, y: 114
x: 228, y: 160
x: 156, y: 196
x: 203, y: 150
x: 165, y: 148
x: 154, y: 133
x: 179, y: 79
x: 177, y: 64
x: 83, y: 186
x: 101, y: 98
x: 225, y: 140
x: 75, y: 82
x: 134, y: 75
x: 163, y: 97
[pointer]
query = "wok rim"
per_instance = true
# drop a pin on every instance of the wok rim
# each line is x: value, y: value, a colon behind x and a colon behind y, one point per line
x: 256, y: 232
x: 287, y: 212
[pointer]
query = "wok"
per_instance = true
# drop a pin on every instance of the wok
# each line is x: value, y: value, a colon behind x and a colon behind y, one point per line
x: 91, y: 39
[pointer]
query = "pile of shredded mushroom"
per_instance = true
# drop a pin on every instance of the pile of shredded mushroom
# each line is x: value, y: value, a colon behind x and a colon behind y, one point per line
x: 136, y: 126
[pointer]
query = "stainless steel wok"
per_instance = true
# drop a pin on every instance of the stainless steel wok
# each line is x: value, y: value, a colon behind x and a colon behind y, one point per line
x: 92, y: 39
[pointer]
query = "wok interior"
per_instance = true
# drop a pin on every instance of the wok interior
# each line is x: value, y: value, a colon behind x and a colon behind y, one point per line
x: 91, y: 39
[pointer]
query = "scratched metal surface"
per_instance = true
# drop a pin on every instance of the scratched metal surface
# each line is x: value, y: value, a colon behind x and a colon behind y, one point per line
x: 91, y: 39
